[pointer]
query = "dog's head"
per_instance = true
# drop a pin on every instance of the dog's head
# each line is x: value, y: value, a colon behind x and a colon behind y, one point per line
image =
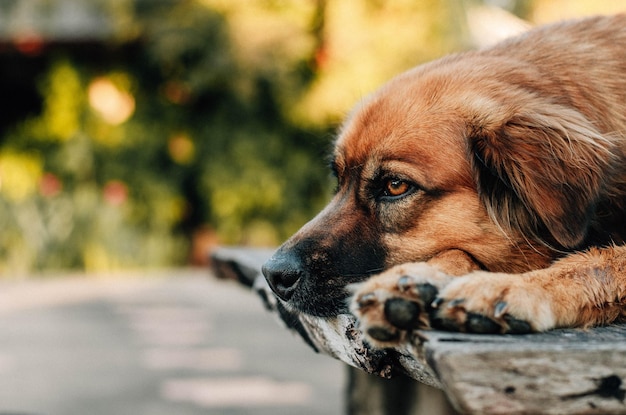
x: 449, y: 156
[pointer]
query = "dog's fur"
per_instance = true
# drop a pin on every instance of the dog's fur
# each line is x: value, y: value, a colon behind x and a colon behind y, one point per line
x: 504, y: 167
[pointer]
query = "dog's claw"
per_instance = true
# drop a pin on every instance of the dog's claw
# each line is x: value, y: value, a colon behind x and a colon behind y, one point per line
x: 500, y: 309
x: 437, y: 302
x: 405, y: 283
x: 457, y: 302
x: 367, y: 300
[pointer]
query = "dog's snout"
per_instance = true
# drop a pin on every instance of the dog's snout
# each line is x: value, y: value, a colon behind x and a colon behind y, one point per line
x: 282, y: 273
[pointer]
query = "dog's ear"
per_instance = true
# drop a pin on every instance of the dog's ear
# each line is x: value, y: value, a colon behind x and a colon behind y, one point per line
x: 541, y: 170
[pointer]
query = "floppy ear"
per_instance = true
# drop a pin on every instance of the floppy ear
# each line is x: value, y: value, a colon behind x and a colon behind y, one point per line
x: 541, y: 172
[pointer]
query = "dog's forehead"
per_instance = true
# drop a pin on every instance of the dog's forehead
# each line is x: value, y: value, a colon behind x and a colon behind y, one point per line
x: 395, y: 126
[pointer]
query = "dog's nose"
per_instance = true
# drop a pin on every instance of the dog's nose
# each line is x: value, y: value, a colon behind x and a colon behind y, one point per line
x: 282, y: 273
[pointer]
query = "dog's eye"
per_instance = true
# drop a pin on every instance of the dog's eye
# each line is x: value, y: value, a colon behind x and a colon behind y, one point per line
x: 395, y: 188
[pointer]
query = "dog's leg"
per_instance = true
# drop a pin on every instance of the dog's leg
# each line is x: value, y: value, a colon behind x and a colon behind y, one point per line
x: 581, y: 290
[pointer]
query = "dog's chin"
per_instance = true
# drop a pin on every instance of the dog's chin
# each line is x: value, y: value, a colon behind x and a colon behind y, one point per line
x: 323, y: 307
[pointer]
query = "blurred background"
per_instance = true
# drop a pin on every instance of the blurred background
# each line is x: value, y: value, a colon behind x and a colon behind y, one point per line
x: 140, y: 133
x: 136, y: 135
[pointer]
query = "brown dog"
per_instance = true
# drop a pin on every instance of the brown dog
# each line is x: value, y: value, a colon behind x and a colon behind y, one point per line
x: 491, y: 185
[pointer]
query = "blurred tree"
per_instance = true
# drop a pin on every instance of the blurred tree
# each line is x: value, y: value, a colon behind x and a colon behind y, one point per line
x: 142, y: 141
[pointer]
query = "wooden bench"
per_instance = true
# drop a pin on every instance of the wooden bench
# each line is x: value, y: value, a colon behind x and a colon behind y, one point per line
x: 559, y: 372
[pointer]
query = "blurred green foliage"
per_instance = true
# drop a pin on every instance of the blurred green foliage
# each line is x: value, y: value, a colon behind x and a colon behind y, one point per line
x: 195, y: 114
x: 158, y: 133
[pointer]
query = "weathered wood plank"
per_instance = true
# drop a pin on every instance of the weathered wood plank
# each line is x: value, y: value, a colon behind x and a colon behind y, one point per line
x: 241, y: 264
x: 562, y: 371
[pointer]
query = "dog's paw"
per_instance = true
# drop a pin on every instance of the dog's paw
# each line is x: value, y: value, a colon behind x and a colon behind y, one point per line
x: 492, y: 303
x: 392, y: 304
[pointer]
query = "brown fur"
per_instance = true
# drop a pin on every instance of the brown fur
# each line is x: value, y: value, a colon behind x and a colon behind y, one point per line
x: 517, y: 160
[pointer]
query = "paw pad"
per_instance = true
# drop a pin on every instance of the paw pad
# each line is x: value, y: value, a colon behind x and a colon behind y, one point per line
x: 477, y: 323
x: 517, y: 326
x: 402, y: 313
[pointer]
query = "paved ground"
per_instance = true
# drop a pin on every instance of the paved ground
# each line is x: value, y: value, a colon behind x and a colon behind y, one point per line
x: 177, y: 343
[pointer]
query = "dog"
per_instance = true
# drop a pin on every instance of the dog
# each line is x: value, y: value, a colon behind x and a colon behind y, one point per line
x: 484, y: 192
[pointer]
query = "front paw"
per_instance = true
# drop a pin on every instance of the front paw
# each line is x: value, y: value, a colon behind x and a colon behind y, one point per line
x: 390, y: 305
x: 492, y: 303
x: 418, y: 296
